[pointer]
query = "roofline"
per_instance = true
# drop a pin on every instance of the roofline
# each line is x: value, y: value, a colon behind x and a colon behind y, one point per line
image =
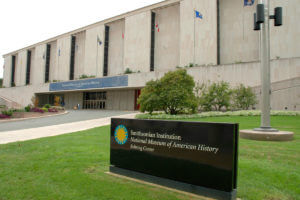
x: 105, y: 21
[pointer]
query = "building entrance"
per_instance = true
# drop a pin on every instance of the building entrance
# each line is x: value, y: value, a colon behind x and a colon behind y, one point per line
x: 94, y: 100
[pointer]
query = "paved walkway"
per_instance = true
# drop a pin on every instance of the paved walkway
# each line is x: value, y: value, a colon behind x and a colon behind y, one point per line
x: 72, y: 116
x: 46, y: 131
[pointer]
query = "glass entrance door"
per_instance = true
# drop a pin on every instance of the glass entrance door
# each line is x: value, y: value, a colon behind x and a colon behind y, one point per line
x: 94, y: 100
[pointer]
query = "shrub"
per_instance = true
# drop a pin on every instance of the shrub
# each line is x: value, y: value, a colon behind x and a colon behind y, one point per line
x: 27, y: 108
x: 45, y: 109
x: 2, y: 116
x: 215, y: 96
x: 18, y: 110
x: 7, y: 112
x: 243, y: 97
x: 37, y: 110
x: 173, y: 94
x: 128, y: 71
x: 47, y: 106
x: 84, y: 76
x: 216, y: 114
x: 149, y: 99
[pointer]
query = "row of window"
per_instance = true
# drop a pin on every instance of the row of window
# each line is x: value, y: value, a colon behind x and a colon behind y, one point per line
x: 72, y: 57
x: 13, y: 67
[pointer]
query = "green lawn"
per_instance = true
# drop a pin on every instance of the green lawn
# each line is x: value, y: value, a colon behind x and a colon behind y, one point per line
x: 72, y: 166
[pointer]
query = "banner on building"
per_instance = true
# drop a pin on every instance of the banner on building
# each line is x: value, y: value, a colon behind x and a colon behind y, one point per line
x: 94, y: 83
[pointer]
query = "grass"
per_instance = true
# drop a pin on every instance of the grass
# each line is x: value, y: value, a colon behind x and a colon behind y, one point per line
x: 72, y: 166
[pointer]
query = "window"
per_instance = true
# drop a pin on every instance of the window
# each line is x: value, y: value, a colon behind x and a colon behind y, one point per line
x: 13, y: 68
x: 106, y: 43
x: 152, y: 41
x: 28, y: 65
x: 47, y: 67
x: 72, y: 58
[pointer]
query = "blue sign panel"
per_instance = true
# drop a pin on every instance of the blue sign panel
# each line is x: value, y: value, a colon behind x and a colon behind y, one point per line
x: 107, y: 82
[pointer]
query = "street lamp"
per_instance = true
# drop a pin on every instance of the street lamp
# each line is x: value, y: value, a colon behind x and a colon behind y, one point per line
x: 262, y: 23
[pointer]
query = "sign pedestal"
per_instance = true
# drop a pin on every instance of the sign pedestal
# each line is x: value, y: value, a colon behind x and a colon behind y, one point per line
x: 174, y: 185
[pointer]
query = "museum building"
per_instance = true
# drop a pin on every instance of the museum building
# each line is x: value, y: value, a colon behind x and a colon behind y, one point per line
x: 104, y: 65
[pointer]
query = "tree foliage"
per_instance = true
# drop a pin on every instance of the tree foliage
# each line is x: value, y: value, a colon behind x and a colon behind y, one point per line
x: 215, y: 96
x: 173, y: 94
x: 149, y: 99
x: 243, y: 97
x: 219, y: 96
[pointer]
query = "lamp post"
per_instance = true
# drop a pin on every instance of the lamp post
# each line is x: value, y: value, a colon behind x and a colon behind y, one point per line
x: 265, y: 132
x: 262, y: 16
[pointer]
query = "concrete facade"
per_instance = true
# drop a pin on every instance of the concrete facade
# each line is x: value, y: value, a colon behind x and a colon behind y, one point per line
x: 94, y: 51
x: 7, y: 71
x: 53, y: 61
x: 79, y: 54
x: 126, y: 97
x: 236, y: 27
x: 116, y: 48
x: 198, y: 37
x: 180, y: 39
x: 38, y: 68
x: 63, y: 58
x: 20, y: 68
x: 167, y: 37
x: 72, y: 99
x: 238, y: 41
x: 137, y: 42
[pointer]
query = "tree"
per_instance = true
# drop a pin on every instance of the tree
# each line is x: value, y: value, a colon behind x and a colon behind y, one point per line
x: 1, y: 82
x: 177, y: 92
x: 243, y: 97
x: 173, y: 94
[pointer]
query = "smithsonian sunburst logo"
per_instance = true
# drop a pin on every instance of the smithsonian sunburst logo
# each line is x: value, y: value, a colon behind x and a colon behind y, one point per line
x: 121, y: 134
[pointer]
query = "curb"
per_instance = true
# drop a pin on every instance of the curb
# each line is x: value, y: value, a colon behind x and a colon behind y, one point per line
x: 22, y: 119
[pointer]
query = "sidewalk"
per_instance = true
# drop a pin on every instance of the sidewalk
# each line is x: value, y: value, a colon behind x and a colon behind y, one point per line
x: 46, y: 131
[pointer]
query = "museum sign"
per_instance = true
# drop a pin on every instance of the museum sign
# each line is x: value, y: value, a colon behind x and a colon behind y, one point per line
x: 195, y: 154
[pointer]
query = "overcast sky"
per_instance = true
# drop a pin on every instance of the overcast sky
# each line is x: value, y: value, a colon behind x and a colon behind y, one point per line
x: 24, y: 23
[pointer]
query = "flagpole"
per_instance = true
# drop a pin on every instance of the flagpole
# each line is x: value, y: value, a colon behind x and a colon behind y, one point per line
x: 194, y: 37
x: 97, y: 58
x: 123, y: 38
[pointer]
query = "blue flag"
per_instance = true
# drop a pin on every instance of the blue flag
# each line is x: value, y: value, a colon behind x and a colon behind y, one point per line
x: 198, y: 14
x: 248, y: 2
